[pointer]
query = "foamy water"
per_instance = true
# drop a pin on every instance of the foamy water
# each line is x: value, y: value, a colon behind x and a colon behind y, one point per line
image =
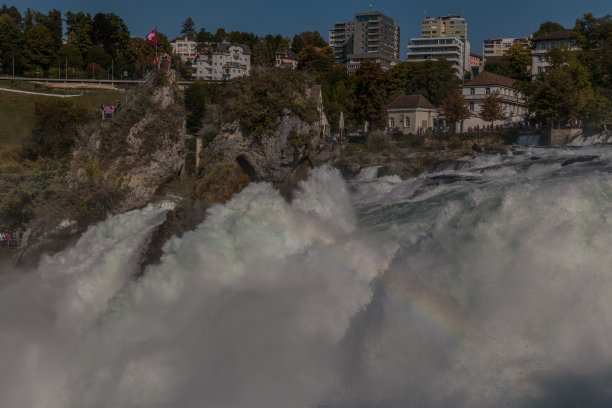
x: 488, y: 283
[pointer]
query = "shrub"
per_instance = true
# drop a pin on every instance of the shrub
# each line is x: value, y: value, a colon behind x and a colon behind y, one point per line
x: 55, y: 129
x: 221, y: 182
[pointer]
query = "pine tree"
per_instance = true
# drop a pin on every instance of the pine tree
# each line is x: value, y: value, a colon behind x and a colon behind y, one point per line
x: 188, y: 29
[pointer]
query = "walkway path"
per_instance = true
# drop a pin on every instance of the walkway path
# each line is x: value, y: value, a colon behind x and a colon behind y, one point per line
x: 38, y: 93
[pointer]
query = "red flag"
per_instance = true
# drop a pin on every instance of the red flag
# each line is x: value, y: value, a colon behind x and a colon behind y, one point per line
x: 152, y: 36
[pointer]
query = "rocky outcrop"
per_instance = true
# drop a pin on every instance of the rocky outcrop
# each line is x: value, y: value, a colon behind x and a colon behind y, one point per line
x: 119, y: 166
x: 144, y: 146
x: 271, y: 157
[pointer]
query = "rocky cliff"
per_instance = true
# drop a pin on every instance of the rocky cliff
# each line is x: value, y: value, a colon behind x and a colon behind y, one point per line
x: 119, y: 165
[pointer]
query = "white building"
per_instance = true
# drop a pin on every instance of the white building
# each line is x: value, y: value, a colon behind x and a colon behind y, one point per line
x: 229, y: 60
x: 452, y: 49
x: 486, y: 83
x: 541, y: 46
x: 496, y: 47
x: 185, y: 48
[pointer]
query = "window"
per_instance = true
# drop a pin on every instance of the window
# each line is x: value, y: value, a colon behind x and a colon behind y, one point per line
x: 472, y: 91
x: 488, y: 91
x: 406, y: 121
x: 391, y: 122
x: 471, y: 106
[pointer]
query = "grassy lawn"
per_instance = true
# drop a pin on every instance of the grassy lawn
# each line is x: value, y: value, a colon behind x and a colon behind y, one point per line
x: 17, y: 111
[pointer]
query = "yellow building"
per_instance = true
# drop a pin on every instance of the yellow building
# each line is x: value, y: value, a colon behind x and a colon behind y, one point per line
x: 444, y: 26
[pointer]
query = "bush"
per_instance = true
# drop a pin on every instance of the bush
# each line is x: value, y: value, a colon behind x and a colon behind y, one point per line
x: 55, y: 129
x: 221, y: 182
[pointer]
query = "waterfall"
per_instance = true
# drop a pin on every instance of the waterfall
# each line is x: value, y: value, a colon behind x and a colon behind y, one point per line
x: 486, y: 283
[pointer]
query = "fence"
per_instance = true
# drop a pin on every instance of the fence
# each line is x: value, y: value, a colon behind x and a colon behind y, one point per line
x: 10, y: 243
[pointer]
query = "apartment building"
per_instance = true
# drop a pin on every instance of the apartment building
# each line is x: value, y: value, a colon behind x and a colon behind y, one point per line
x: 444, y: 26
x: 496, y: 47
x: 453, y: 49
x: 541, y: 46
x: 185, y: 48
x: 370, y: 36
x: 227, y: 61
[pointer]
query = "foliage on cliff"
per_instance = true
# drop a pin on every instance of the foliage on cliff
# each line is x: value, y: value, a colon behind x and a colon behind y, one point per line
x: 257, y: 102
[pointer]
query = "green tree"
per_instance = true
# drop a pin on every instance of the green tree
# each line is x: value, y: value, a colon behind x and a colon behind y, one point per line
x: 562, y: 92
x: 53, y: 22
x: 204, y: 36
x: 598, y: 110
x: 219, y: 35
x: 594, y: 38
x: 188, y: 29
x: 313, y: 38
x: 14, y: 13
x: 515, y: 63
x: 195, y: 104
x: 370, y: 95
x: 337, y: 87
x: 432, y: 79
x: 519, y: 60
x: 69, y: 54
x: 313, y: 59
x: 297, y: 43
x: 55, y: 129
x: 11, y: 43
x: 454, y: 108
x: 492, y: 109
x: 111, y: 32
x: 38, y: 48
x: 79, y: 30
x: 547, y: 28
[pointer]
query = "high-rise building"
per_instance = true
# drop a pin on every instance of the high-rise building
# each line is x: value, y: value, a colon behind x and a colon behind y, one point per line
x: 371, y: 36
x: 444, y: 26
x: 496, y: 47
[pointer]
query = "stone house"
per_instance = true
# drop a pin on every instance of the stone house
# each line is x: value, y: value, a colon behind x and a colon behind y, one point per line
x: 485, y: 83
x: 412, y: 114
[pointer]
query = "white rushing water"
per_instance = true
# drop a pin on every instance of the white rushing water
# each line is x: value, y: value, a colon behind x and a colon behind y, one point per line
x: 488, y: 283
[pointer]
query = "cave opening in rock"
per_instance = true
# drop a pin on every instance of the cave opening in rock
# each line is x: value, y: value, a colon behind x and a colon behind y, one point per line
x: 247, y: 166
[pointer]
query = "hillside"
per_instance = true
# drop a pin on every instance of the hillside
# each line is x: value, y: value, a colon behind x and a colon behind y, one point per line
x: 17, y: 111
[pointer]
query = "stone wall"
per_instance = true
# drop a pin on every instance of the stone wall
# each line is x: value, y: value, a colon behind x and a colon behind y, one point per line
x: 558, y: 137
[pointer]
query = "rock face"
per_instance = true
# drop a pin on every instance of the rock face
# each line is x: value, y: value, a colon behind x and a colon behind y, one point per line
x: 119, y: 166
x: 271, y: 157
x: 145, y: 144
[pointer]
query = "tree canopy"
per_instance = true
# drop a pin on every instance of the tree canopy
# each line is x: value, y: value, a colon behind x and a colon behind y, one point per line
x: 370, y: 95
x: 432, y: 79
x: 547, y: 28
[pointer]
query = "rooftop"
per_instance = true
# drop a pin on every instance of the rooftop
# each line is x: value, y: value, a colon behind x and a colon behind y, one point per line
x: 489, y: 78
x: 410, y: 102
x: 559, y: 35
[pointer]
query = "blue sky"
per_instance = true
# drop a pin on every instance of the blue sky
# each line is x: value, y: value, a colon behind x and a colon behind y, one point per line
x: 486, y: 18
